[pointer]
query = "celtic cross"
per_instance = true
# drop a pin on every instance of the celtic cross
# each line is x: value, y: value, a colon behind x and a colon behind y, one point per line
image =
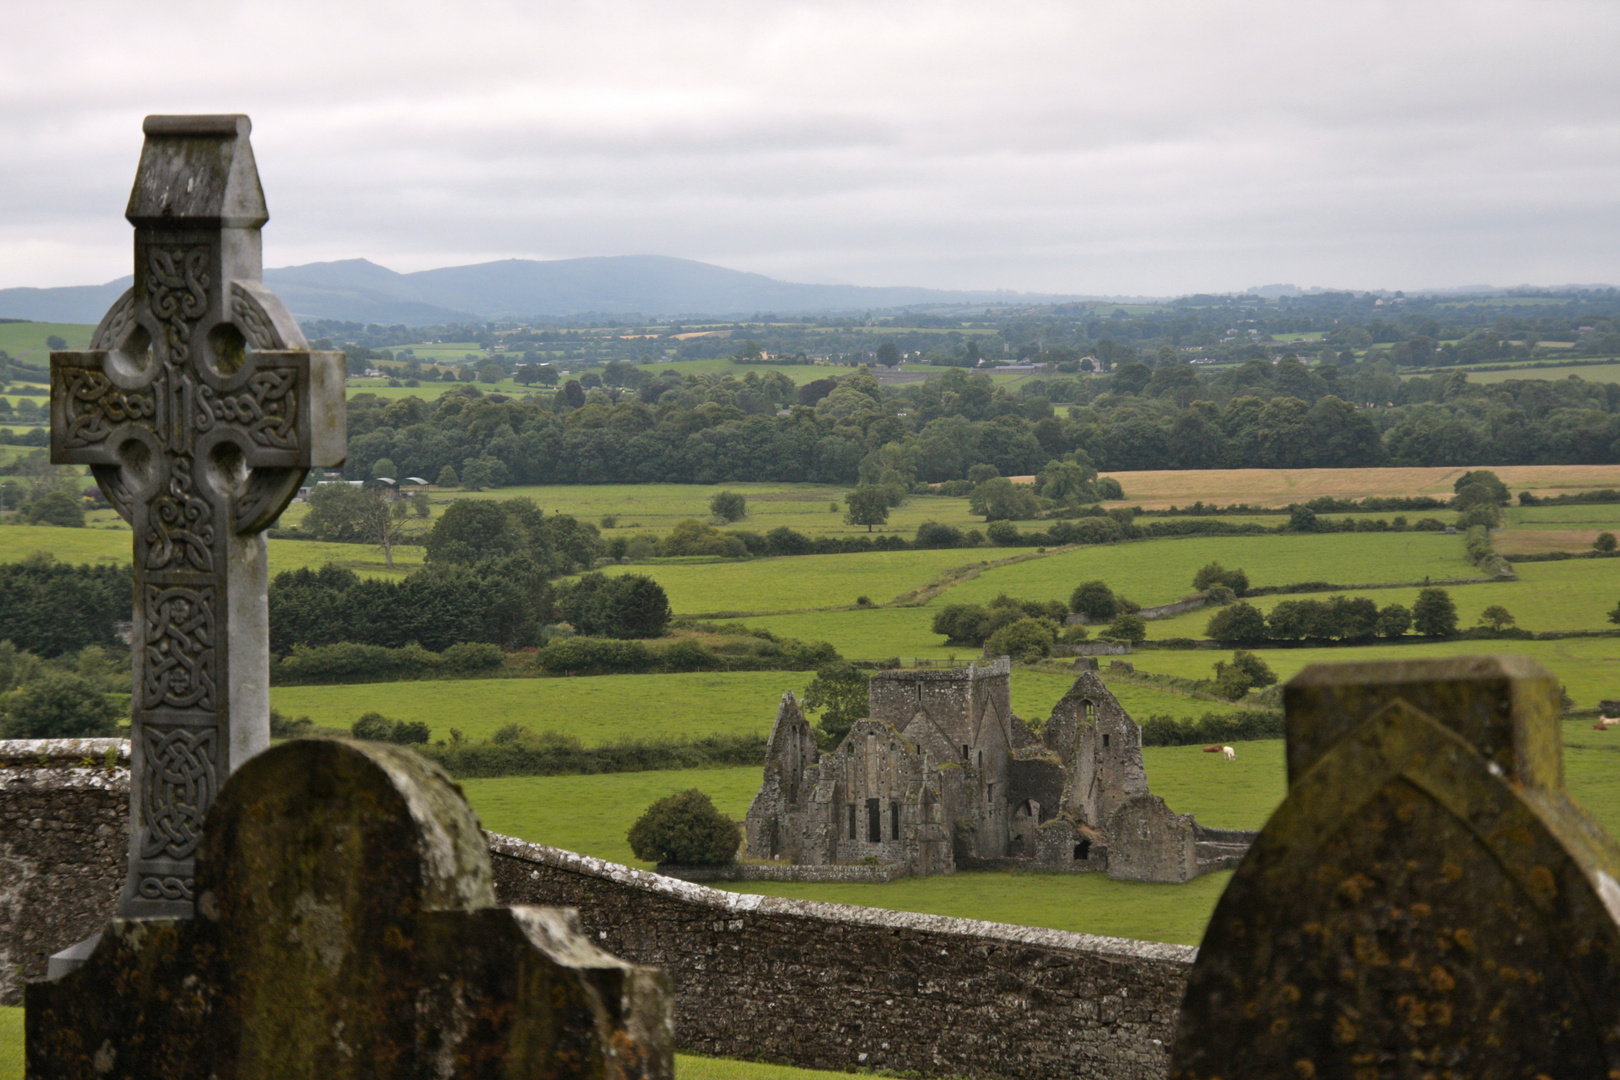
x: 199, y: 407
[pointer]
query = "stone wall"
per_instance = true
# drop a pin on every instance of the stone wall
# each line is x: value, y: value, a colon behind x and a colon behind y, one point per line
x: 835, y: 987
x: 763, y: 978
x: 64, y: 831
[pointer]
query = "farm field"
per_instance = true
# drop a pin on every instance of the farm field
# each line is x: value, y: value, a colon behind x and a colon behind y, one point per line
x: 25, y: 341
x: 602, y: 709
x: 1588, y: 668
x: 1573, y: 595
x: 1159, y: 571
x: 597, y: 709
x: 798, y: 582
x: 656, y: 508
x: 1279, y: 487
x: 1600, y: 373
x: 110, y: 543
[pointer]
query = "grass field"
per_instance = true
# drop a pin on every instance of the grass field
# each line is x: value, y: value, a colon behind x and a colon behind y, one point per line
x: 797, y: 583
x: 591, y: 814
x: 25, y: 341
x: 687, y: 1066
x: 608, y: 708
x: 1589, y: 668
x: 599, y: 709
x: 1561, y: 596
x: 110, y: 543
x: 1159, y: 571
x: 655, y: 508
x: 1599, y: 373
x: 1279, y: 487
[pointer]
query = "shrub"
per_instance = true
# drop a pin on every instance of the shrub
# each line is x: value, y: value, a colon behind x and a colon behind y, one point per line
x: 1393, y: 622
x: 729, y: 505
x: 472, y: 656
x: 373, y: 727
x: 1605, y: 543
x: 1301, y: 519
x: 593, y: 656
x: 1234, y: 680
x: 1024, y: 638
x: 685, y: 828
x: 58, y: 705
x: 1214, y: 574
x: 54, y: 508
x: 1241, y: 624
x: 623, y: 606
x: 785, y: 541
x: 1003, y: 533
x: 1127, y: 628
x: 931, y: 534
x: 1496, y: 617
x: 1094, y: 600
x: 962, y: 624
x: 1434, y: 614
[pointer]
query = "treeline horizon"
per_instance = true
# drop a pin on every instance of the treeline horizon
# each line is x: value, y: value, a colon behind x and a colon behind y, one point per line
x: 708, y: 428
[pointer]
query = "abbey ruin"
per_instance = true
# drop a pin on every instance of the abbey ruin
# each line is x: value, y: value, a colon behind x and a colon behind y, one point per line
x: 942, y: 775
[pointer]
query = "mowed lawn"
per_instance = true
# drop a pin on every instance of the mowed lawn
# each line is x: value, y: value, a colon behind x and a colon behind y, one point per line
x: 797, y: 583
x: 1159, y: 571
x: 108, y: 543
x: 597, y: 709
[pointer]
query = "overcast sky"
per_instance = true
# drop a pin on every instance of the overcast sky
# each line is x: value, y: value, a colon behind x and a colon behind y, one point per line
x: 1124, y: 148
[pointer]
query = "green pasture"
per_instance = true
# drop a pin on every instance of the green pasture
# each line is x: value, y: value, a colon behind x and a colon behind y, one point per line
x: 1589, y: 668
x: 111, y: 543
x: 1601, y: 373
x: 656, y: 508
x: 869, y: 633
x: 1159, y: 571
x: 597, y: 709
x: 602, y: 709
x: 796, y: 583
x: 1595, y: 515
x: 25, y: 341
x: 1549, y: 596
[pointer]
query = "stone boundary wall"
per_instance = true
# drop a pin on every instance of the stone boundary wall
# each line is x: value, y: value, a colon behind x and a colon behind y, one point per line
x: 836, y: 872
x: 836, y: 987
x: 762, y: 978
x: 64, y: 836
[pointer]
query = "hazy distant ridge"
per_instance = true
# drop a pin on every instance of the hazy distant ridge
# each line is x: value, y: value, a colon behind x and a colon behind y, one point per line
x: 362, y: 291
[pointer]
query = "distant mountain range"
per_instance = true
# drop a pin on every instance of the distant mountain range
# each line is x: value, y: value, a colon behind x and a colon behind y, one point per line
x: 653, y: 285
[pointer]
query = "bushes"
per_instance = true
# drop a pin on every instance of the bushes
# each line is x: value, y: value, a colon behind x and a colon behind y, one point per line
x: 58, y: 705
x: 1240, y: 624
x: 1342, y: 618
x: 729, y: 505
x: 1214, y: 574
x: 624, y: 606
x: 685, y: 828
x: 1212, y: 728
x: 518, y: 753
x: 931, y: 534
x: 1234, y: 680
x: 375, y: 727
x: 609, y: 656
x: 50, y: 608
x: 1093, y: 599
x: 1434, y: 614
x: 348, y: 662
x: 1026, y: 639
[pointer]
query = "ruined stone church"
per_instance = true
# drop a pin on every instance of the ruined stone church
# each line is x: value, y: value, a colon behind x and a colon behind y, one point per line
x: 942, y: 775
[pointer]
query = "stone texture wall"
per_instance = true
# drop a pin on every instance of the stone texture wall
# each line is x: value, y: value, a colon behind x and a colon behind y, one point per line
x: 835, y: 987
x: 64, y: 832
x: 762, y: 978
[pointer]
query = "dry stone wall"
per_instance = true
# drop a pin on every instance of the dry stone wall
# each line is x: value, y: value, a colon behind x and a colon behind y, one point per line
x: 835, y: 987
x: 763, y: 978
x: 64, y: 830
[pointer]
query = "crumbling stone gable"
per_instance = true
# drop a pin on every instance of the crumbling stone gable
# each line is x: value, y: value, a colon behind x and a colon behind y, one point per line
x: 1101, y: 746
x: 775, y: 824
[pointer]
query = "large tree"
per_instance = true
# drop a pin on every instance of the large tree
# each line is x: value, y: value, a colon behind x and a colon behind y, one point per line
x: 867, y: 505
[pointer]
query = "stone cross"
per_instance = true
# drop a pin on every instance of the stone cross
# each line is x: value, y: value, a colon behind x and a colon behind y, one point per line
x: 1427, y: 900
x: 199, y: 408
x: 346, y: 929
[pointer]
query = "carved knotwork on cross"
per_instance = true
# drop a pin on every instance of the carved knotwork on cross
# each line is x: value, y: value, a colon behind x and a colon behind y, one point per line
x: 199, y: 407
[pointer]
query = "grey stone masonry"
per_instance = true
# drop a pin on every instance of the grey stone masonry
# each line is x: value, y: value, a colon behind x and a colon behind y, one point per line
x: 834, y: 987
x: 64, y: 828
x: 199, y: 408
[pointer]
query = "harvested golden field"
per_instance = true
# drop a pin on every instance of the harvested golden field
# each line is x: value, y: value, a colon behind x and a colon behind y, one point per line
x: 1536, y: 541
x: 1279, y: 487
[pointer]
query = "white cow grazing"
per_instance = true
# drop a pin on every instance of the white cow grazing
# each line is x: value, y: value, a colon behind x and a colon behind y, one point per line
x: 1231, y: 754
x: 1608, y: 721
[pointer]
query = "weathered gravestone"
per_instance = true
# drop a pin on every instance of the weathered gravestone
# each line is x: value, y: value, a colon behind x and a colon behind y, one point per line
x: 345, y: 929
x: 1426, y: 902
x: 199, y: 408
